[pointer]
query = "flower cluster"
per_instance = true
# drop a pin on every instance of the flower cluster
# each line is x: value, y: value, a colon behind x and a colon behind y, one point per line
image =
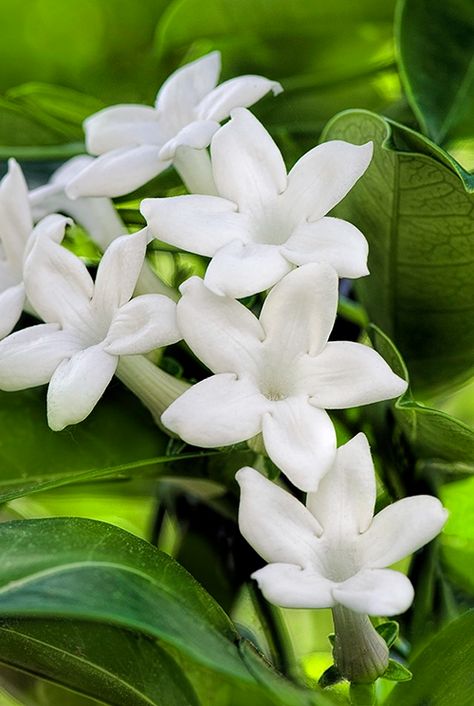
x: 274, y: 370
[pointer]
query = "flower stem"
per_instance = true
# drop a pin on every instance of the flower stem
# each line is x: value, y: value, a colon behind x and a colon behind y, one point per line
x: 194, y: 168
x: 153, y: 386
x: 360, y: 653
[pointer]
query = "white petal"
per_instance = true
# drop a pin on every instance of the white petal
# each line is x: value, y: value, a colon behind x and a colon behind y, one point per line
x: 345, y: 500
x: 240, y: 269
x: 218, y: 411
x: 247, y: 164
x: 299, y: 312
x: 186, y: 87
x: 15, y: 216
x: 323, y: 176
x: 118, y: 172
x: 402, y: 528
x: 223, y: 333
x: 330, y: 240
x: 29, y: 357
x: 197, y: 223
x: 118, y: 272
x: 274, y: 522
x: 197, y: 134
x: 300, y: 442
x: 145, y: 323
x: 77, y: 385
x: 121, y: 126
x: 240, y: 92
x: 290, y: 586
x: 376, y: 592
x: 347, y: 374
x: 11, y: 306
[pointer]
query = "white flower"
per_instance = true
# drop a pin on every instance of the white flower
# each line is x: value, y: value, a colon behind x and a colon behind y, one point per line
x: 97, y: 215
x: 88, y: 325
x: 333, y: 551
x: 264, y: 222
x: 137, y: 142
x: 276, y: 375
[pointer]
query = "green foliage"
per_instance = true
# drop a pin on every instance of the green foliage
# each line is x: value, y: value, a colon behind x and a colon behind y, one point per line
x: 397, y: 672
x: 389, y: 631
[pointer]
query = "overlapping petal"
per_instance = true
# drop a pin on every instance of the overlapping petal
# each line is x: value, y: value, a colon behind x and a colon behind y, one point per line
x: 242, y: 92
x: 121, y: 126
x: 16, y: 222
x: 375, y: 592
x: 197, y: 135
x: 290, y: 586
x: 186, y: 87
x: 12, y: 300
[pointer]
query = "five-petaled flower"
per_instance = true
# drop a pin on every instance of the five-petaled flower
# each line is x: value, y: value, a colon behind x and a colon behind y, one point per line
x: 276, y: 375
x: 263, y: 222
x: 137, y: 142
x: 334, y: 551
x: 89, y: 325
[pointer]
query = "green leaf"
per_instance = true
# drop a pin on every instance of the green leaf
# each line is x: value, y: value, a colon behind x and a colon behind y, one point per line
x: 389, y: 631
x: 442, y: 672
x: 436, y: 56
x: 457, y: 540
x: 330, y: 677
x: 396, y: 672
x: 415, y: 206
x: 436, y: 438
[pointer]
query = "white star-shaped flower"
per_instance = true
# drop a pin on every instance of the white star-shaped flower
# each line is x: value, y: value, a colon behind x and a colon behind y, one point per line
x: 137, y: 142
x: 263, y: 222
x: 276, y: 374
x: 334, y: 551
x: 89, y: 325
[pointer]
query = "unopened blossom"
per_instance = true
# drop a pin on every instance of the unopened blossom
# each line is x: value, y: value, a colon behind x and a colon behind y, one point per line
x: 275, y: 375
x: 263, y: 222
x: 136, y: 142
x: 88, y: 325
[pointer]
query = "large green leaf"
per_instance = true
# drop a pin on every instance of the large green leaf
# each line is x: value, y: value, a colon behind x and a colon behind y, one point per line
x: 436, y: 54
x: 442, y: 672
x: 415, y: 206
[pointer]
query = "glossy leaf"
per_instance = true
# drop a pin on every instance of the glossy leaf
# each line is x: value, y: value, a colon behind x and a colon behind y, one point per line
x: 415, y: 206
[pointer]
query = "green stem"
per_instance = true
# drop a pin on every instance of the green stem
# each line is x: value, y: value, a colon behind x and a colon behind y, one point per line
x: 275, y: 631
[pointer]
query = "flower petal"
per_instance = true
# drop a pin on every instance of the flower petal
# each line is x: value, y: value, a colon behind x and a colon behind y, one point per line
x: 301, y: 443
x: 330, y: 240
x: 223, y: 333
x: 345, y: 500
x: 299, y: 312
x: 290, y: 586
x: 186, y: 87
x: 218, y: 411
x: 240, y: 269
x: 197, y: 223
x: 77, y: 385
x: 402, y: 528
x: 376, y: 592
x: 197, y: 134
x: 12, y: 300
x: 145, y: 323
x: 240, y: 92
x: 347, y: 374
x: 118, y: 172
x: 274, y: 522
x: 15, y: 216
x: 323, y: 176
x: 121, y: 126
x: 29, y: 357
x: 247, y: 164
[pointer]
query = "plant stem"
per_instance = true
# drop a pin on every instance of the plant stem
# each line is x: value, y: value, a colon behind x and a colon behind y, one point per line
x: 275, y: 631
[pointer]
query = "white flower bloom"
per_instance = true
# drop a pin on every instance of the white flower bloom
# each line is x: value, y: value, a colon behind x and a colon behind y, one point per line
x: 334, y: 551
x: 89, y: 325
x: 137, y: 142
x: 97, y: 215
x: 263, y: 222
x: 276, y: 375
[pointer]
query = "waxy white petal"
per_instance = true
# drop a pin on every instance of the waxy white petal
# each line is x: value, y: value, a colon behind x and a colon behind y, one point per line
x: 376, y: 592
x: 240, y: 269
x: 197, y: 223
x: 218, y: 411
x: 239, y: 92
x: 345, y: 500
x: 186, y: 87
x: 121, y: 126
x: 29, y: 357
x: 330, y: 240
x: 12, y: 300
x: 402, y: 528
x: 77, y: 385
x: 223, y: 333
x: 289, y: 586
x: 300, y: 440
x: 323, y: 176
x: 197, y: 134
x: 347, y: 374
x: 274, y: 522
x: 248, y: 166
x: 15, y: 217
x: 144, y: 323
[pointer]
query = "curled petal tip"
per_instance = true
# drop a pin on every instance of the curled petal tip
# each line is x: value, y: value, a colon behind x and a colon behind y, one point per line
x: 245, y: 474
x: 276, y: 88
